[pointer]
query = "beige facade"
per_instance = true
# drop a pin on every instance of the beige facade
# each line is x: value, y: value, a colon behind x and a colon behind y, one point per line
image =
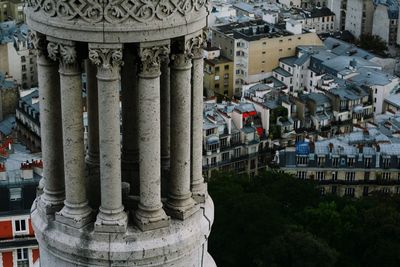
x: 255, y: 48
x: 218, y: 77
x: 264, y: 54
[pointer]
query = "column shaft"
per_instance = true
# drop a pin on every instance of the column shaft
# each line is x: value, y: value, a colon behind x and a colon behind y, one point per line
x: 150, y: 214
x: 197, y: 180
x: 111, y: 216
x: 180, y: 203
x: 51, y: 133
x: 76, y: 211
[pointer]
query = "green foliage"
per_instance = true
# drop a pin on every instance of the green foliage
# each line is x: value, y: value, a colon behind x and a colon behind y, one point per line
x: 275, y: 131
x: 373, y: 43
x: 277, y: 220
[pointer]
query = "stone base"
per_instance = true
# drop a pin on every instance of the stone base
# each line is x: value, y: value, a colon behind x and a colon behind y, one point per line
x: 181, y: 244
x: 76, y: 221
x: 115, y: 223
x: 48, y: 208
x: 149, y: 219
x: 181, y: 214
x: 199, y: 198
x: 151, y: 225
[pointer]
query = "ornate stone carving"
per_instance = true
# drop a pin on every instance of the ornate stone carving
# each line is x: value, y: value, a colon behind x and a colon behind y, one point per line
x: 116, y: 11
x: 66, y: 53
x: 107, y: 60
x: 151, y: 59
x: 194, y: 46
x: 38, y: 42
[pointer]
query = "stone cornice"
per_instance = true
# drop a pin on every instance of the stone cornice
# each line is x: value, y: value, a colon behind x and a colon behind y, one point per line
x: 116, y: 12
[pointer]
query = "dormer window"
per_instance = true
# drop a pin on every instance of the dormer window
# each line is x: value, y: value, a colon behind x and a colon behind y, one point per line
x: 335, y: 161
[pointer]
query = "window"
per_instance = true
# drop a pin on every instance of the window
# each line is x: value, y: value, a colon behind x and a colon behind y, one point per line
x: 334, y: 176
x: 20, y: 226
x: 335, y: 161
x: 15, y: 194
x: 366, y: 176
x: 237, y: 152
x: 216, y: 69
x: 213, y: 160
x: 367, y: 162
x: 225, y: 156
x: 300, y: 160
x: 226, y: 67
x: 349, y: 191
x: 321, y: 161
x: 320, y: 176
x: 350, y: 162
x: 23, y: 59
x: 350, y: 176
x: 302, y: 175
x: 386, y: 176
x: 22, y: 257
x: 386, y: 162
x: 209, y: 131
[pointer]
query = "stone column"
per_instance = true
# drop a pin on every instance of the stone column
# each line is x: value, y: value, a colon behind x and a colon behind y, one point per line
x: 92, y: 153
x: 180, y: 203
x: 51, y: 128
x: 150, y: 214
x: 111, y: 216
x: 195, y: 45
x: 129, y: 97
x: 76, y: 211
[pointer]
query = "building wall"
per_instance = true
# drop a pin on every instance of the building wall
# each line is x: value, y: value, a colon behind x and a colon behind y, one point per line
x: 359, y: 17
x: 264, y: 54
x: 9, y: 100
x: 8, y: 256
x: 223, y: 85
x: 381, y: 26
x: 3, y: 57
x: 17, y: 10
x: 22, y: 65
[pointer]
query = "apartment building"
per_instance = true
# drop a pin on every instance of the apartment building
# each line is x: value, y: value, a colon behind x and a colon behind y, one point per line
x: 218, y: 77
x: 19, y: 178
x: 355, y: 165
x: 318, y: 19
x: 386, y: 21
x: 12, y: 10
x: 28, y: 119
x: 255, y: 47
x: 359, y: 17
x: 8, y: 96
x: 234, y: 139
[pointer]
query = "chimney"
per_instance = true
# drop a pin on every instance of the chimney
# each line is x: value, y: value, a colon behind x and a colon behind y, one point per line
x: 38, y: 167
x: 3, y: 172
x: 26, y: 170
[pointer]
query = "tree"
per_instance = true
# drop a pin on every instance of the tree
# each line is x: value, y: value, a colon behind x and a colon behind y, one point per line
x: 373, y: 43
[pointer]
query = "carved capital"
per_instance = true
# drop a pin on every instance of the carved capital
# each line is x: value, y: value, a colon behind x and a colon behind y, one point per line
x: 151, y: 59
x: 195, y: 45
x: 66, y: 54
x: 38, y: 42
x: 107, y: 60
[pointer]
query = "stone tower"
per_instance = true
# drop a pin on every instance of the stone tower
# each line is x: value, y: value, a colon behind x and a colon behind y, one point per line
x: 142, y: 203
